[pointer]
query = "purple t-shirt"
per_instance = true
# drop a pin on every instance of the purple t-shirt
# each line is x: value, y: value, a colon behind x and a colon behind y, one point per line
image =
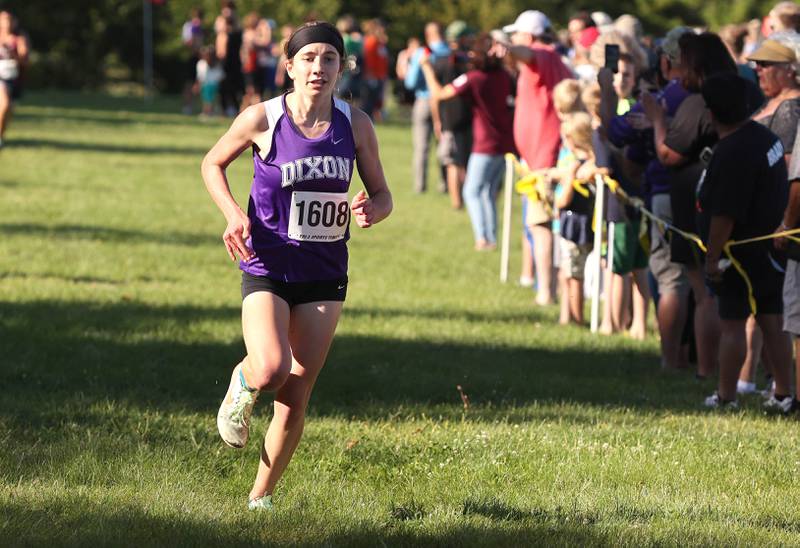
x: 299, y: 212
x: 492, y: 119
x: 641, y: 149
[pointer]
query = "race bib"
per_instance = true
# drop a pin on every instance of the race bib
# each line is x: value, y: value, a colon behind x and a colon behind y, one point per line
x: 318, y: 216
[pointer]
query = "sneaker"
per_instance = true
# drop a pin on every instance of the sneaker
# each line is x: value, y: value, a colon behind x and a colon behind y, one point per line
x: 769, y: 389
x: 261, y: 503
x: 715, y: 402
x: 744, y: 387
x: 233, y: 418
x: 526, y: 281
x: 783, y: 406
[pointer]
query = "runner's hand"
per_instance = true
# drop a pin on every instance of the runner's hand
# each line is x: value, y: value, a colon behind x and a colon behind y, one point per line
x: 235, y: 236
x: 362, y: 209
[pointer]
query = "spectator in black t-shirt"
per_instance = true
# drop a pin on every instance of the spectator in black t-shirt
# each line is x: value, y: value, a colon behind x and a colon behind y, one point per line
x: 452, y: 120
x: 742, y: 194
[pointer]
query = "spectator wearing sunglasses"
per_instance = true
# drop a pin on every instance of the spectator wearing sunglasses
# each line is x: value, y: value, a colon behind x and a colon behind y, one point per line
x: 778, y: 75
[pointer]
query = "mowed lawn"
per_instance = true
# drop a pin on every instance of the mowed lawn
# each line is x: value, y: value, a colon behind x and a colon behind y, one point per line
x: 119, y: 325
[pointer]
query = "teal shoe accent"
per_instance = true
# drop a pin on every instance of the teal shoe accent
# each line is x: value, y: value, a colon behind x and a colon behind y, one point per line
x: 261, y: 503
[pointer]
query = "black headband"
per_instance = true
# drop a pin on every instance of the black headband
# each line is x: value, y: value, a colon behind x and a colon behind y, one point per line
x: 314, y: 34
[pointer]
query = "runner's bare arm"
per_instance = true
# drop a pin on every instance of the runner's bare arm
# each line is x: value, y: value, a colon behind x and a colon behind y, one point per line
x: 238, y: 138
x: 376, y: 204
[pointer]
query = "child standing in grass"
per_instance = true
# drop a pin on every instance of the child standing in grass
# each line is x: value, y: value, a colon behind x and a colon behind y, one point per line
x: 575, y: 206
x: 566, y: 101
x: 209, y: 75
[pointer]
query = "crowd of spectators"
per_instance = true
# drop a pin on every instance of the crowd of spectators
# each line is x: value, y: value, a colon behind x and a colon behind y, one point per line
x: 241, y: 62
x: 698, y: 127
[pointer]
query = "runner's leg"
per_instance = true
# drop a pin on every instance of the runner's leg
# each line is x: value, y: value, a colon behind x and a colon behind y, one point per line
x: 311, y: 332
x: 265, y: 326
x: 5, y: 108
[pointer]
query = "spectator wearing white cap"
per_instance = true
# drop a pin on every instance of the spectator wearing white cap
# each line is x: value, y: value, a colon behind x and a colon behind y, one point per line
x: 536, y: 124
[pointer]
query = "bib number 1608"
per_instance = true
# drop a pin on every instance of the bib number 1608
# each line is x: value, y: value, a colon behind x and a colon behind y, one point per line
x: 318, y: 216
x: 326, y: 214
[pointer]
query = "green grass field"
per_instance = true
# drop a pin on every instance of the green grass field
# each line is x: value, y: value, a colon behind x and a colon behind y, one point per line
x: 119, y: 325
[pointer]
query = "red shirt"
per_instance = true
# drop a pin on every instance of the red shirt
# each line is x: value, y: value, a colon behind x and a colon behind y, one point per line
x: 492, y: 120
x: 536, y: 125
x: 376, y: 58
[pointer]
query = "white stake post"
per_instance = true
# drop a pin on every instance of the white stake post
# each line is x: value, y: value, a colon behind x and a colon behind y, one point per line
x: 506, y: 244
x: 600, y: 187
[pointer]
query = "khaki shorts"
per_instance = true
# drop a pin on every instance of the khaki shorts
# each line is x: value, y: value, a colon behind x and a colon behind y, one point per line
x: 573, y: 258
x: 454, y: 148
x: 670, y: 276
x: 791, y: 298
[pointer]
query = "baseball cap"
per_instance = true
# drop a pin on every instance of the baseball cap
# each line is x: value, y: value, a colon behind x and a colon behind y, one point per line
x: 773, y: 51
x: 531, y: 21
x: 601, y: 18
x: 456, y: 30
x: 588, y: 36
x: 670, y: 45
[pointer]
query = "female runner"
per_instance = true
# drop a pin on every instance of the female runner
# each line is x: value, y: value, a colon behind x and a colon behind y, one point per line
x: 292, y: 240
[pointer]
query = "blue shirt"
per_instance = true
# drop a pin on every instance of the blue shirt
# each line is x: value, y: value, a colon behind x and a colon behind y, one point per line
x: 415, y: 80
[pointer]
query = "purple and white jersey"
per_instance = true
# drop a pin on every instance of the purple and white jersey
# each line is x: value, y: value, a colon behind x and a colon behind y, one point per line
x: 299, y: 211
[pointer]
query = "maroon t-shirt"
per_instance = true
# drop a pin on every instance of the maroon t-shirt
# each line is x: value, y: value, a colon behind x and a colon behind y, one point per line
x: 492, y: 118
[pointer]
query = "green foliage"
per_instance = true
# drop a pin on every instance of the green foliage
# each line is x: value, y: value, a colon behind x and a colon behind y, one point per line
x: 120, y: 324
x: 87, y: 43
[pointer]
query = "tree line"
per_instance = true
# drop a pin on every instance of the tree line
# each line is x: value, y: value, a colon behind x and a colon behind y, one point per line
x: 85, y: 44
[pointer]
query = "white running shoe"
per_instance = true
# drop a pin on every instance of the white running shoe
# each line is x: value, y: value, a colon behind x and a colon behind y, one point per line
x: 783, y: 406
x: 261, y: 503
x: 744, y: 387
x: 233, y: 418
x: 715, y: 402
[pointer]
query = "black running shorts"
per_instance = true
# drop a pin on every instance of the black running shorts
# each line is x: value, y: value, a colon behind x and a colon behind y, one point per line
x: 295, y: 293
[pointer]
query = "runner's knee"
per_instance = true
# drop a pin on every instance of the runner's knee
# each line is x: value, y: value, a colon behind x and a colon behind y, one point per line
x: 269, y: 371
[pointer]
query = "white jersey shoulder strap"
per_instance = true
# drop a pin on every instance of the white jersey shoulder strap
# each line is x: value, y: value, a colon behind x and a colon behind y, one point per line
x: 344, y: 107
x: 273, y: 110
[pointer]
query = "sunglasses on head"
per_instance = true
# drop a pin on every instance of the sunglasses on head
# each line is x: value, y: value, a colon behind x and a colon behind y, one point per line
x: 765, y: 64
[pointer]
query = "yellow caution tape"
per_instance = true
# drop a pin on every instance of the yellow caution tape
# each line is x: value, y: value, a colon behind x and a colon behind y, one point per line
x: 527, y: 185
x: 665, y: 226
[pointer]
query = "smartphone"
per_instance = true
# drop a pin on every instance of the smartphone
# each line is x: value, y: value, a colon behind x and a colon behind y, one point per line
x: 612, y: 57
